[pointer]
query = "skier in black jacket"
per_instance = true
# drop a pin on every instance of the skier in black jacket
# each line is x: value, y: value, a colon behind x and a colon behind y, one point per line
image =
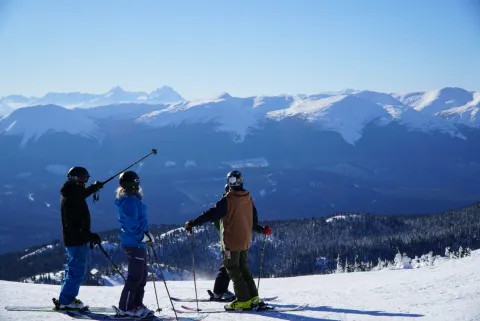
x: 76, y: 234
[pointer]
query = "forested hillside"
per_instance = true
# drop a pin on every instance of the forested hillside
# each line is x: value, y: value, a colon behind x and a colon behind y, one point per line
x: 296, y: 247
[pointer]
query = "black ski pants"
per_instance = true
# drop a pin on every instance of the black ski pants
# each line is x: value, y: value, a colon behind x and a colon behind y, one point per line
x: 222, y: 280
x: 134, y: 289
x: 239, y: 273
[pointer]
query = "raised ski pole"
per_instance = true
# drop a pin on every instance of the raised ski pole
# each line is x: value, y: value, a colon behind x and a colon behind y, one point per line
x: 261, y: 260
x: 153, y: 276
x: 153, y: 152
x: 108, y: 257
x: 193, y: 266
x: 164, y: 282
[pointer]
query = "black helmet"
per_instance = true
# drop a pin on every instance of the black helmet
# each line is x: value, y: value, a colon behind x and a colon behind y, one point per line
x: 129, y: 180
x: 234, y: 179
x: 78, y: 175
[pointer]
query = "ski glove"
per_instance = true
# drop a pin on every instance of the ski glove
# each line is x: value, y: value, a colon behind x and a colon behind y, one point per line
x: 267, y: 230
x: 189, y: 225
x: 96, y: 186
x: 95, y: 238
x: 148, y: 238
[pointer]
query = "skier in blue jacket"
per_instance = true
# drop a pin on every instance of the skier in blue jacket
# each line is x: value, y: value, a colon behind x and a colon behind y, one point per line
x: 134, y: 235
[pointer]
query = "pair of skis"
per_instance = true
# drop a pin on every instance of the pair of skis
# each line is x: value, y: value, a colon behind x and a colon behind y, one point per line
x: 266, y: 308
x: 102, y: 313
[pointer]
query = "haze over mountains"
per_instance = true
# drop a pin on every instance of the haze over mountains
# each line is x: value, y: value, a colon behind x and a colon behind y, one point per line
x: 302, y: 155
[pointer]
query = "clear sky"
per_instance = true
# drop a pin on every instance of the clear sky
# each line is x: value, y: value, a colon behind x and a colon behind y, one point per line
x: 247, y: 47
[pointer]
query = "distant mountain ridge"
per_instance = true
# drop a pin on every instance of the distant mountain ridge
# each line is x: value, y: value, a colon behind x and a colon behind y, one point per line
x: 302, y: 156
x: 116, y: 95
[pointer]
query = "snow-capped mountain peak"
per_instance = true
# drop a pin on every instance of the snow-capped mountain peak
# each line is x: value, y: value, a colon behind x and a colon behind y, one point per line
x: 33, y: 122
x: 346, y: 114
x: 165, y: 94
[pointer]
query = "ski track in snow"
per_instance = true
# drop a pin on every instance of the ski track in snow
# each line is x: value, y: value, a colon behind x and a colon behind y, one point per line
x: 449, y: 291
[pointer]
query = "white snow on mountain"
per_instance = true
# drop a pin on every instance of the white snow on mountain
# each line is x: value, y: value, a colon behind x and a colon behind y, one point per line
x: 434, y: 101
x: 230, y: 114
x: 466, y: 114
x: 248, y: 163
x: 445, y: 290
x: 33, y: 122
x: 439, y: 110
x: 116, y: 95
x: 43, y: 249
x: 344, y: 114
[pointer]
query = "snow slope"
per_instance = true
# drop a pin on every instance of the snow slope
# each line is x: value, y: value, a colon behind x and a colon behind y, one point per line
x: 447, y: 291
x: 33, y: 122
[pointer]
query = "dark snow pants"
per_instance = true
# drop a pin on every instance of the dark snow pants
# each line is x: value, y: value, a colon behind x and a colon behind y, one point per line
x: 239, y: 272
x: 222, y: 280
x: 134, y: 289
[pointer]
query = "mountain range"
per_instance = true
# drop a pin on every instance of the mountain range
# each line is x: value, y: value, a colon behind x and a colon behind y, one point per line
x: 302, y: 155
x: 116, y: 95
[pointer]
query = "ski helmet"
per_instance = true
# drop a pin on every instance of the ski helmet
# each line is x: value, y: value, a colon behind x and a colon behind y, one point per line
x: 78, y: 175
x: 234, y: 179
x: 129, y: 180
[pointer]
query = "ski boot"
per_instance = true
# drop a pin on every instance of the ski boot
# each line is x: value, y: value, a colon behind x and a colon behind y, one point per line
x: 227, y: 296
x: 75, y: 305
x: 136, y: 312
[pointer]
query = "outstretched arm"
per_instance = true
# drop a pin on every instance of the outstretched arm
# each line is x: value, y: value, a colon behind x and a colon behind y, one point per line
x: 213, y: 214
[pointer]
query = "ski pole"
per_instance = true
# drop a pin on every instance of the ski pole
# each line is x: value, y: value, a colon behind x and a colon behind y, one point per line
x: 108, y: 257
x: 153, y: 152
x: 164, y: 282
x: 153, y: 276
x: 261, y: 260
x: 193, y: 267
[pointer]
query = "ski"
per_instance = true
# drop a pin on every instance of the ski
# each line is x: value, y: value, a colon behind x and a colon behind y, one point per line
x: 85, y: 315
x: 212, y: 300
x: 267, y: 308
x: 52, y: 309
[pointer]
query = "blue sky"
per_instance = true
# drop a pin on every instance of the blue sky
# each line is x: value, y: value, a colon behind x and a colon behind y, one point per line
x: 248, y: 47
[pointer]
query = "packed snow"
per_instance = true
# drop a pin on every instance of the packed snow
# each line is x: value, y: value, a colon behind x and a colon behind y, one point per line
x: 446, y: 289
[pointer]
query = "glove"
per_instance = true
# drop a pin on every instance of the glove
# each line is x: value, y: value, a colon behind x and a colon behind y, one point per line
x: 96, y: 186
x: 189, y: 225
x: 148, y: 238
x: 267, y: 230
x: 95, y: 238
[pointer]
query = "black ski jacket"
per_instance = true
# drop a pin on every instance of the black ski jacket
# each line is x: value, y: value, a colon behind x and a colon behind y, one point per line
x: 75, y: 214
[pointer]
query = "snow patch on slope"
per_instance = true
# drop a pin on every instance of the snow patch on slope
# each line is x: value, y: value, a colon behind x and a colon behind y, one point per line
x: 346, y: 115
x: 33, y: 122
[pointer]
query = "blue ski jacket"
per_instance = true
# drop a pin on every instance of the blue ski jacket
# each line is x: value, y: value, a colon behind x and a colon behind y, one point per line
x: 132, y: 215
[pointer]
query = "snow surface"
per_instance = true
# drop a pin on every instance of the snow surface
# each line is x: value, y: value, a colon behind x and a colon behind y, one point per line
x: 448, y: 290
